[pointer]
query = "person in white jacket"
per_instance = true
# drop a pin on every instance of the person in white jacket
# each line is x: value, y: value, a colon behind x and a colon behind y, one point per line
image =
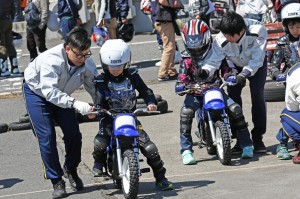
x: 290, y: 117
x: 243, y: 42
x: 49, y: 82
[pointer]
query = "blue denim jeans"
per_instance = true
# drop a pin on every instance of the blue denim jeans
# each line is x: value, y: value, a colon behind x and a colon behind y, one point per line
x: 257, y: 17
x: 67, y: 24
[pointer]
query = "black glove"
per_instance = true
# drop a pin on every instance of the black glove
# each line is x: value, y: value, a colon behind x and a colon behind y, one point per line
x: 201, y: 74
x: 241, y: 80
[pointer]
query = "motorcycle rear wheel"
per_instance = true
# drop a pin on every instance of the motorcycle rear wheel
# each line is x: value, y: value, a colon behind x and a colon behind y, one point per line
x: 223, y: 143
x: 130, y: 180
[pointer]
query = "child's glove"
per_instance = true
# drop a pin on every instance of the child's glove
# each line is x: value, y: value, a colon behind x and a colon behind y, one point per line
x: 82, y: 107
x: 201, y: 74
x: 281, y: 77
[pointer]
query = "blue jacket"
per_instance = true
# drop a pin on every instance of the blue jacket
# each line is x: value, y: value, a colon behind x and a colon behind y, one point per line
x: 67, y: 8
x: 122, y: 8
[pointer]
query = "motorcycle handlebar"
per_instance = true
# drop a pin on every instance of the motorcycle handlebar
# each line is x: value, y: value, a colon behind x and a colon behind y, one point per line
x: 135, y: 112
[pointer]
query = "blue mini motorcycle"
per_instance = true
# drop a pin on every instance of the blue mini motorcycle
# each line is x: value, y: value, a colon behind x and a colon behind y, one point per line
x: 123, y: 152
x: 214, y: 130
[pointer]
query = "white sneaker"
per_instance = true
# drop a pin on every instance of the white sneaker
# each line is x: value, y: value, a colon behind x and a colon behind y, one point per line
x: 158, y: 64
x: 177, y: 57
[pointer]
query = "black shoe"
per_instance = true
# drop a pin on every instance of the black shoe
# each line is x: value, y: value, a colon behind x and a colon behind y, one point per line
x: 59, y: 190
x: 259, y: 146
x: 236, y: 149
x: 162, y: 79
x: 174, y: 77
x: 75, y: 182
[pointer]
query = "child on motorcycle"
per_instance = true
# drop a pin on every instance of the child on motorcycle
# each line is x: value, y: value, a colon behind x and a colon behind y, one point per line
x: 115, y: 88
x: 197, y: 41
x: 287, y: 44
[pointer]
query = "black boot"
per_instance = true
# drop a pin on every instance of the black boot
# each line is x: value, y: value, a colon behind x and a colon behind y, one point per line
x: 75, y: 182
x: 59, y: 190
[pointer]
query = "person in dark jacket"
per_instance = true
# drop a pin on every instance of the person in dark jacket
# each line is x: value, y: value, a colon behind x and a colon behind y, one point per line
x: 287, y: 45
x: 68, y: 15
x: 115, y: 88
x: 7, y: 49
x: 122, y: 10
x: 36, y: 36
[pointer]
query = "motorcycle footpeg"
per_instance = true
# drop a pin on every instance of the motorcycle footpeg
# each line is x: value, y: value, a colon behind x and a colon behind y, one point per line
x: 145, y: 170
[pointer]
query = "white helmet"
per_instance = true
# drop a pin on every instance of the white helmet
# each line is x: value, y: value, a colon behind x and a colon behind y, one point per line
x: 290, y: 11
x: 115, y: 53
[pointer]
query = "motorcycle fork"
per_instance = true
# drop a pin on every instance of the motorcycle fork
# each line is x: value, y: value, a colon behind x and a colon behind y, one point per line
x: 119, y: 157
x: 212, y: 128
x: 136, y: 152
x: 227, y: 123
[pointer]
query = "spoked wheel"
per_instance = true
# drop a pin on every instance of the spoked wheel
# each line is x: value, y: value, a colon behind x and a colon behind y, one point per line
x: 130, y: 180
x: 223, y: 143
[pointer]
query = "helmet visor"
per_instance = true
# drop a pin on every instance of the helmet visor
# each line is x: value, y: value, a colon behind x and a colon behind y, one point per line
x: 198, y: 52
x: 115, y: 67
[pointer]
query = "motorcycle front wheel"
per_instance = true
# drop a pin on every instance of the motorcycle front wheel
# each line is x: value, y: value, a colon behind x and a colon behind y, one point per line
x: 223, y: 143
x: 130, y: 180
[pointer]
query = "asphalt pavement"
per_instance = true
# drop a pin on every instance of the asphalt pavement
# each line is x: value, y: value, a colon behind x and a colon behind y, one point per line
x: 264, y: 176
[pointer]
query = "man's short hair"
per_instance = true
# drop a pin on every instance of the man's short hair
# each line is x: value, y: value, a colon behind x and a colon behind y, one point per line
x: 78, y: 38
x: 232, y: 23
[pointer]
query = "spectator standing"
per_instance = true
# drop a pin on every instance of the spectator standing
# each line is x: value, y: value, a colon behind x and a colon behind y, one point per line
x: 107, y: 16
x: 177, y: 57
x: 68, y: 15
x: 165, y: 26
x: 18, y: 11
x: 7, y: 49
x: 49, y: 82
x: 253, y: 9
x: 36, y: 36
x: 122, y: 10
x: 243, y: 42
x: 201, y: 9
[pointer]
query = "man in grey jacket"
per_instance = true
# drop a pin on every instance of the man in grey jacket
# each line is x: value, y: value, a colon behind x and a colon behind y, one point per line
x: 49, y: 81
x: 243, y: 42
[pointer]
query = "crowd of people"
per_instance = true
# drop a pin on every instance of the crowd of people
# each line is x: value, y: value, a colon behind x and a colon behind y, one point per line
x: 236, y: 54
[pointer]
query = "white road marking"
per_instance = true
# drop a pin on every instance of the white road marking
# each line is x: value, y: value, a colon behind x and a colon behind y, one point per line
x: 145, y: 179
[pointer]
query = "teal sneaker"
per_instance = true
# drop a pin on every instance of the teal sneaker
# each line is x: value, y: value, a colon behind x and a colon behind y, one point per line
x: 282, y: 152
x: 164, y: 185
x: 97, y: 169
x: 247, y: 152
x: 188, y: 158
